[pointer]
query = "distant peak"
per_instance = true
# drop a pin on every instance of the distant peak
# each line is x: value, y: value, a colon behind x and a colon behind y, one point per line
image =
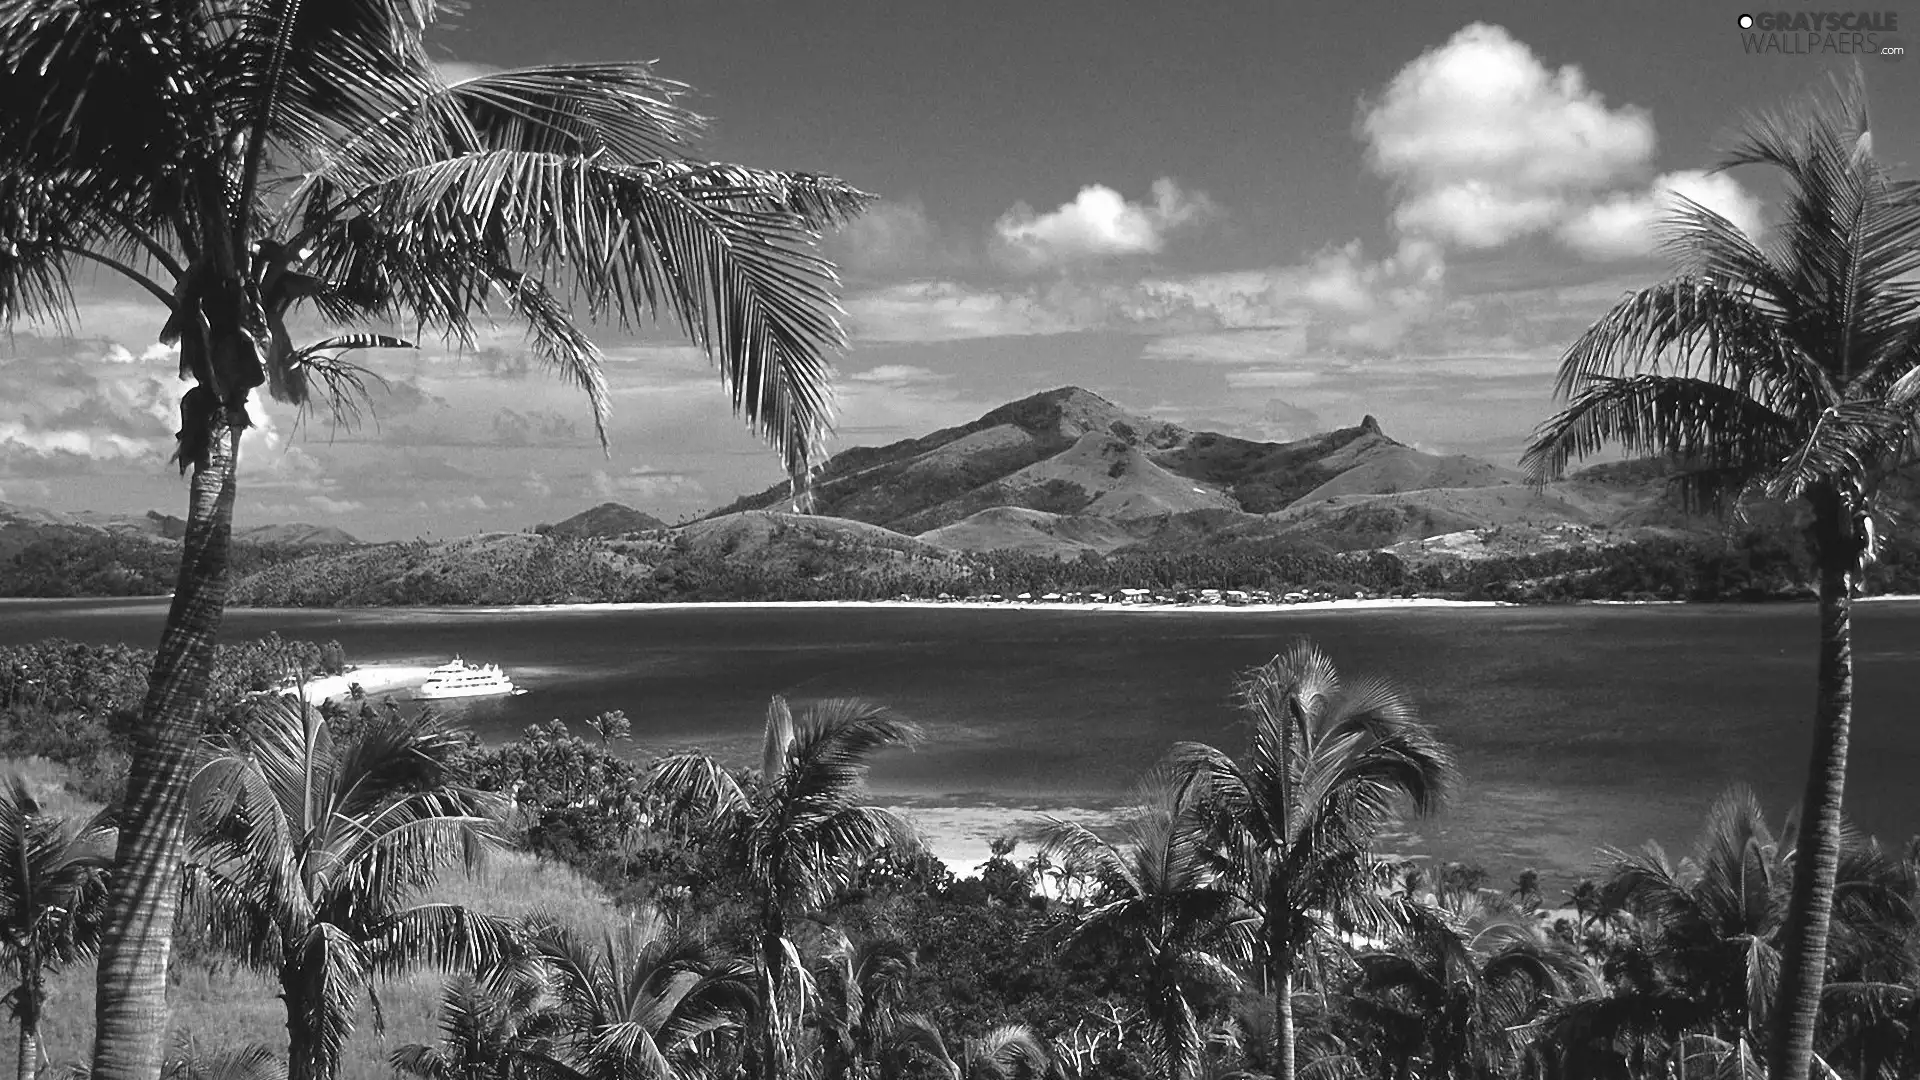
x: 1369, y: 425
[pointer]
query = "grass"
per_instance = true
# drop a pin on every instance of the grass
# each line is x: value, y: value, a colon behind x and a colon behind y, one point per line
x: 216, y: 1004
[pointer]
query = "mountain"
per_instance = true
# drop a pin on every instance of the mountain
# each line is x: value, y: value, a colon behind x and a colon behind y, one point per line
x: 23, y: 525
x: 753, y: 555
x: 1067, y: 471
x: 607, y: 519
x: 49, y: 553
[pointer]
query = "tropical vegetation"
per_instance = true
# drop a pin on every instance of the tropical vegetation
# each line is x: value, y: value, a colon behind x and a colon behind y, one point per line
x: 266, y: 168
x: 768, y: 920
x: 1789, y: 370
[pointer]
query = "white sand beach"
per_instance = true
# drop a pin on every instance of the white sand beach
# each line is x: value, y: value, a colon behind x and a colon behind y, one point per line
x: 1380, y: 603
x: 372, y: 678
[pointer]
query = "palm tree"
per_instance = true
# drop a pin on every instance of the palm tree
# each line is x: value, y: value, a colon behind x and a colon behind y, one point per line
x: 496, y: 1028
x: 310, y: 853
x: 859, y: 987
x: 1159, y: 902
x: 645, y: 1003
x: 1465, y: 981
x: 1701, y: 965
x: 53, y: 885
x: 1293, y: 824
x: 258, y: 165
x: 802, y: 829
x: 1786, y: 371
x: 1008, y: 1052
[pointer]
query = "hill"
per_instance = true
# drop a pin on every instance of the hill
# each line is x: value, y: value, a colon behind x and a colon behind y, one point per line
x: 1067, y: 471
x: 50, y: 553
x: 607, y: 519
x: 748, y: 556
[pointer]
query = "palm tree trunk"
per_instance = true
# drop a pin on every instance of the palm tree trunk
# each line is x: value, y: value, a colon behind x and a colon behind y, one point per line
x: 1283, y: 1017
x: 28, y: 1013
x: 302, y: 1056
x: 130, y: 1015
x: 773, y: 961
x: 29, y: 1051
x: 1817, y: 860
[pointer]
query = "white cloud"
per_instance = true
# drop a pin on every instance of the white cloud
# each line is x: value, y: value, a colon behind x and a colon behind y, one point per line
x: 1098, y: 224
x: 1487, y: 144
x: 640, y: 483
x: 897, y: 375
x: 329, y: 505
x: 1627, y: 226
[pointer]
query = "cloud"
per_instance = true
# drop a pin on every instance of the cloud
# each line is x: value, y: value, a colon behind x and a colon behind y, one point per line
x: 329, y: 505
x: 1627, y: 226
x: 1098, y: 224
x: 537, y: 426
x: 897, y: 375
x: 1487, y: 144
x: 640, y: 483
x: 1340, y: 296
x: 898, y: 237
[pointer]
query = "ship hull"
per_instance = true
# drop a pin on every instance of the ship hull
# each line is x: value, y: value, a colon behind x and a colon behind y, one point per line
x: 467, y: 691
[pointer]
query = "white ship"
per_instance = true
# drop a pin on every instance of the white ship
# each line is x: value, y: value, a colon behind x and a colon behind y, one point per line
x: 461, y: 679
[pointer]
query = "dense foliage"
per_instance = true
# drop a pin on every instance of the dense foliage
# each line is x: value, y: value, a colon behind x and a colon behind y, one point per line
x: 1134, y: 952
x: 1751, y: 565
x: 114, y: 564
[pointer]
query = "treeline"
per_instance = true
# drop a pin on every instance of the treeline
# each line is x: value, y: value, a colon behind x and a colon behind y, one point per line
x: 78, y: 705
x: 115, y: 564
x: 1756, y: 565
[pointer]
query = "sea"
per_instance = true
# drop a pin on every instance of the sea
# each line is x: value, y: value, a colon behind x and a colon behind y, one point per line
x: 1576, y: 728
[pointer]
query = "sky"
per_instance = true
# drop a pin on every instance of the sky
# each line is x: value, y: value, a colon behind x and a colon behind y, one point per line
x: 1255, y: 218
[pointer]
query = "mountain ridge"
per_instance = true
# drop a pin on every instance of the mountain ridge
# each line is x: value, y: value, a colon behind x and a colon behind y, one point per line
x: 1067, y: 470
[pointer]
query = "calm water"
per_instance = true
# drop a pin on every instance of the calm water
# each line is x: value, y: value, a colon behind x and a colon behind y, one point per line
x: 1575, y: 727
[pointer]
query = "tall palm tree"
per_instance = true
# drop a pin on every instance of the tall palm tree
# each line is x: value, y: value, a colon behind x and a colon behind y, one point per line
x: 310, y: 853
x: 1160, y: 902
x: 644, y: 1003
x: 53, y: 887
x: 1293, y: 824
x: 1787, y: 371
x: 261, y: 166
x: 802, y: 828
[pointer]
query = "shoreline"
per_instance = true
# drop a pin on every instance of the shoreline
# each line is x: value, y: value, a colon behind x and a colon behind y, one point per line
x: 1371, y: 603
x: 1377, y: 603
x: 376, y: 678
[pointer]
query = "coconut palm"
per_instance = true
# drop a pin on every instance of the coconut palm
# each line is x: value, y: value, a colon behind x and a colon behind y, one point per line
x: 496, y: 1028
x: 266, y: 167
x: 1294, y: 823
x: 859, y: 989
x: 801, y: 829
x: 1786, y: 371
x: 1698, y: 972
x: 250, y: 1061
x: 645, y: 1002
x: 53, y: 885
x: 1160, y: 902
x: 310, y: 854
x: 1008, y: 1052
x: 1463, y: 982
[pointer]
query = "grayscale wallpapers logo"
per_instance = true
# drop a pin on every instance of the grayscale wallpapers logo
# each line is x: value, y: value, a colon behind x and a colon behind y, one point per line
x: 1823, y: 33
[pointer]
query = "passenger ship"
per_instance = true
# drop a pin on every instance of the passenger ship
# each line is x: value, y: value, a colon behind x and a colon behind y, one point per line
x: 461, y: 679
